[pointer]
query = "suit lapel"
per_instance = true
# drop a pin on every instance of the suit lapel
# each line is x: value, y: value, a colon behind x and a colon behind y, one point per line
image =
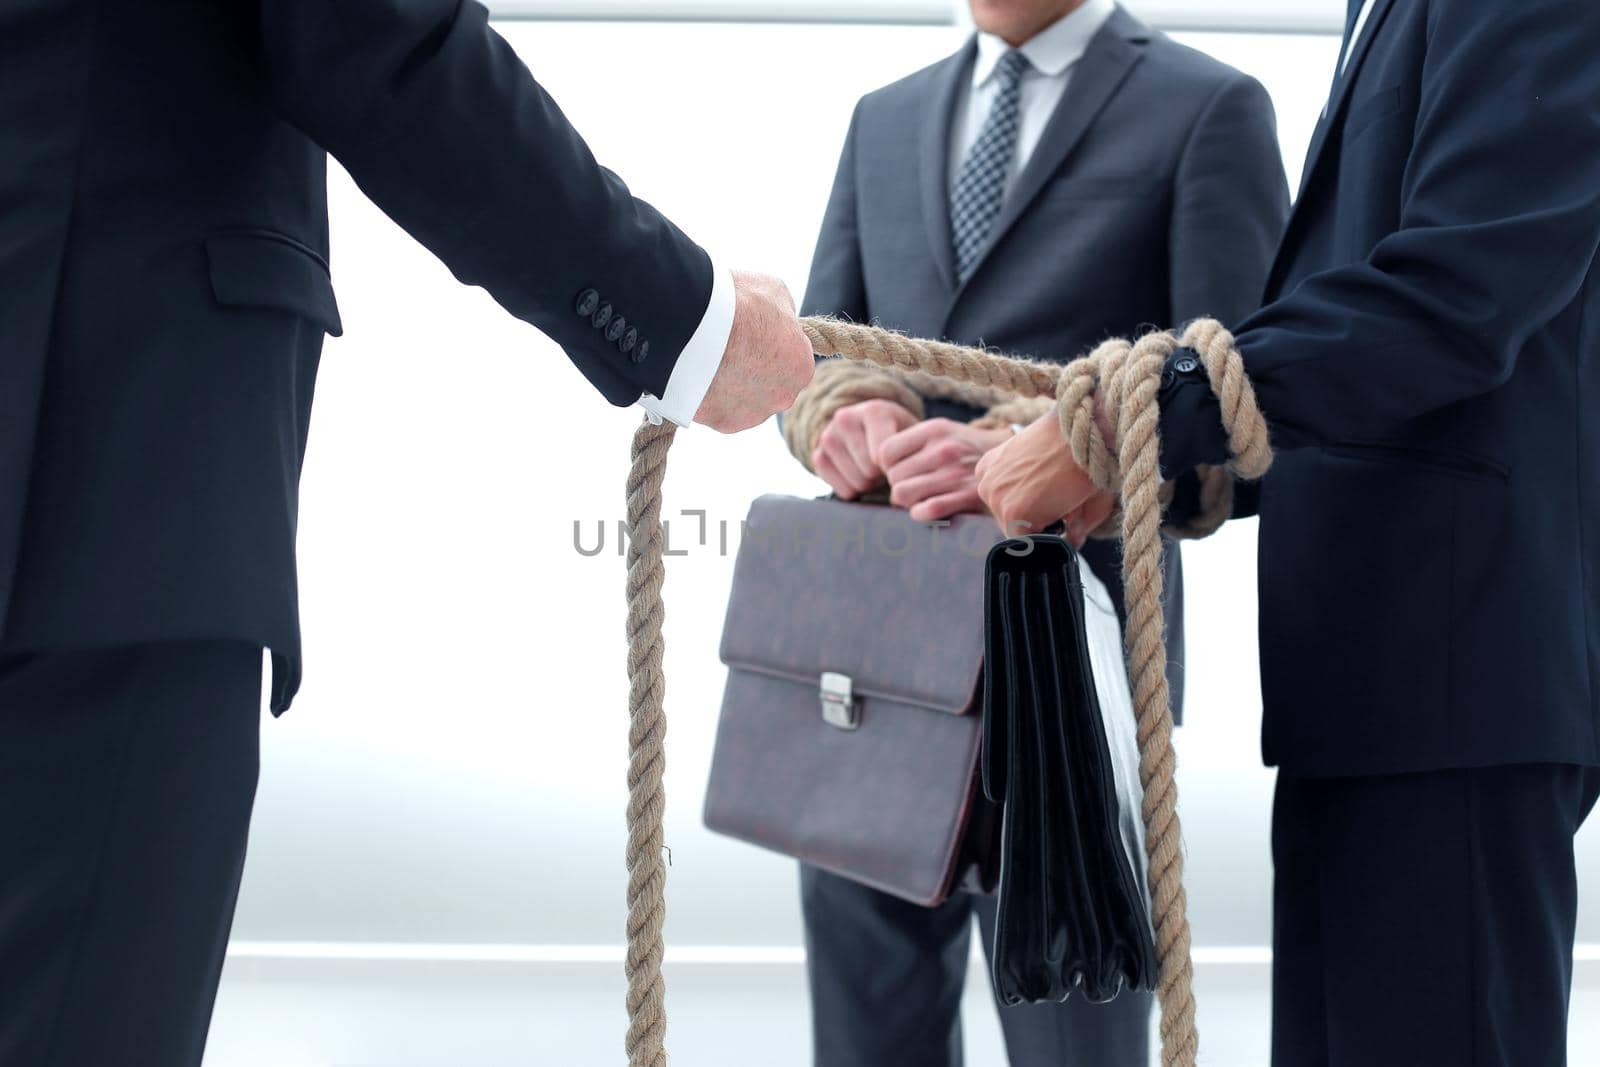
x: 1341, y: 92
x: 1330, y: 117
x: 933, y: 152
x: 1094, y: 80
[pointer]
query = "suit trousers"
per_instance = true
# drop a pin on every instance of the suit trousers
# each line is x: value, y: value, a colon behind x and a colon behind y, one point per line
x: 1426, y: 918
x: 886, y: 979
x: 127, y: 778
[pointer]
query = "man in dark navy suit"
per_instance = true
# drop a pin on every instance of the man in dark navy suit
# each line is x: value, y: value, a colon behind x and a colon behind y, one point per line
x: 164, y: 292
x: 1067, y: 175
x: 1428, y: 359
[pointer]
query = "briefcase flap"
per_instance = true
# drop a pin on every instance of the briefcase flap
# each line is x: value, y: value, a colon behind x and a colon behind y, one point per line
x: 887, y: 606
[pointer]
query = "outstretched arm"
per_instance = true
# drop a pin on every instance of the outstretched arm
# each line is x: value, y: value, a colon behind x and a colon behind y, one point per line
x: 441, y: 124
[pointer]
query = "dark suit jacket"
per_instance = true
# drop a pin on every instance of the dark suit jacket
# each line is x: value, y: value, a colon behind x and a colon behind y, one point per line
x: 1156, y: 194
x: 164, y: 285
x: 1429, y: 361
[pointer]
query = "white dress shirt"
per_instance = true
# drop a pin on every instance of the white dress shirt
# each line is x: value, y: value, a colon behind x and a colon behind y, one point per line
x: 1346, y: 50
x: 1355, y: 35
x: 1052, y: 53
x: 697, y: 364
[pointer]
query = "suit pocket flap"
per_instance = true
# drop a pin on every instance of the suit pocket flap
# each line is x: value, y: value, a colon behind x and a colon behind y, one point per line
x: 1365, y: 112
x: 264, y: 269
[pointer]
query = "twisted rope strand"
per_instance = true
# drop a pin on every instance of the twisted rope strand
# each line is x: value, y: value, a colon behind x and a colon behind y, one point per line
x: 1247, y: 430
x: 974, y: 366
x: 1125, y: 377
x: 647, y: 728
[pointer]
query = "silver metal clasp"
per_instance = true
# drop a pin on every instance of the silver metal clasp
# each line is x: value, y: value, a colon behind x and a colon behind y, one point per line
x: 838, y: 704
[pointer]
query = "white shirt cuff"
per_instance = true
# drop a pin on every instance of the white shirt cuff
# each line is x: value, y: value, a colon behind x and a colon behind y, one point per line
x: 697, y: 364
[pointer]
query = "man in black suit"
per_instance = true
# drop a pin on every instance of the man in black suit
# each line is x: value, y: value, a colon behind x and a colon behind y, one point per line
x: 1428, y: 360
x: 164, y: 292
x: 1067, y: 175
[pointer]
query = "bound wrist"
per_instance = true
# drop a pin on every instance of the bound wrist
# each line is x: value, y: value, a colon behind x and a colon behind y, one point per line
x: 1192, y: 433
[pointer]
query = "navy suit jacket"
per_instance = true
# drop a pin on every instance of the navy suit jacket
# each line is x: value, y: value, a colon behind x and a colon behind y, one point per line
x: 1156, y: 193
x: 164, y: 286
x: 1429, y: 362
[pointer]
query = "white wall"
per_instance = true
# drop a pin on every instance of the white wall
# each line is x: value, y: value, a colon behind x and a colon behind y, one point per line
x: 453, y: 771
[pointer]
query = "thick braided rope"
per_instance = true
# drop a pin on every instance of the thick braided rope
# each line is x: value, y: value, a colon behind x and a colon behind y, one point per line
x: 647, y: 727
x: 1000, y: 375
x: 1126, y: 377
x: 838, y: 384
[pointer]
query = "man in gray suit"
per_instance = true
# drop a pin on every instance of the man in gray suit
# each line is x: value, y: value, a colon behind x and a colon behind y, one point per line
x: 1066, y: 176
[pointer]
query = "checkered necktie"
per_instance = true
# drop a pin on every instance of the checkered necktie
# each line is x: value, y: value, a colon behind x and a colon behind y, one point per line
x: 981, y: 185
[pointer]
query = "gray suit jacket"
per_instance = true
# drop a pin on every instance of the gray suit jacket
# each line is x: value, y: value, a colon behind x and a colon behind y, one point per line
x: 1156, y: 195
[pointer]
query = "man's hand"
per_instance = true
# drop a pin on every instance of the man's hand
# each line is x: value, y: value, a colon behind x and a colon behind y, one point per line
x: 767, y: 362
x: 846, y: 453
x: 1032, y: 481
x: 931, y: 467
x: 1088, y: 517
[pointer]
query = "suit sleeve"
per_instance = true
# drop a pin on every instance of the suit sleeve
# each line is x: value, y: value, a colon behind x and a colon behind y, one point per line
x: 440, y: 123
x: 836, y: 285
x: 1499, y: 224
x: 1230, y: 203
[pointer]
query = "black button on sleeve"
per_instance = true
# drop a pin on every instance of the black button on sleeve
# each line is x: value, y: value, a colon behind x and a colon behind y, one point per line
x: 1182, y: 367
x: 588, y: 300
x: 602, y: 316
x: 615, y: 330
x: 629, y: 339
x: 641, y: 353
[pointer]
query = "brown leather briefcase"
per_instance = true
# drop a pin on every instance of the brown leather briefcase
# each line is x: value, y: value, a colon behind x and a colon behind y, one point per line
x: 850, y: 726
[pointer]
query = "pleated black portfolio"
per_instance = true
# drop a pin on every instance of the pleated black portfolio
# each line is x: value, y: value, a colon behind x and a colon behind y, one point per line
x: 1060, y: 756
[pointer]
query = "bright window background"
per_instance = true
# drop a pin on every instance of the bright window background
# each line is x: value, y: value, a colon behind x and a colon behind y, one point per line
x: 454, y: 770
x: 1325, y: 16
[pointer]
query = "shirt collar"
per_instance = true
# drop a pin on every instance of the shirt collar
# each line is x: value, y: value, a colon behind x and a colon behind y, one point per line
x: 1051, y: 50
